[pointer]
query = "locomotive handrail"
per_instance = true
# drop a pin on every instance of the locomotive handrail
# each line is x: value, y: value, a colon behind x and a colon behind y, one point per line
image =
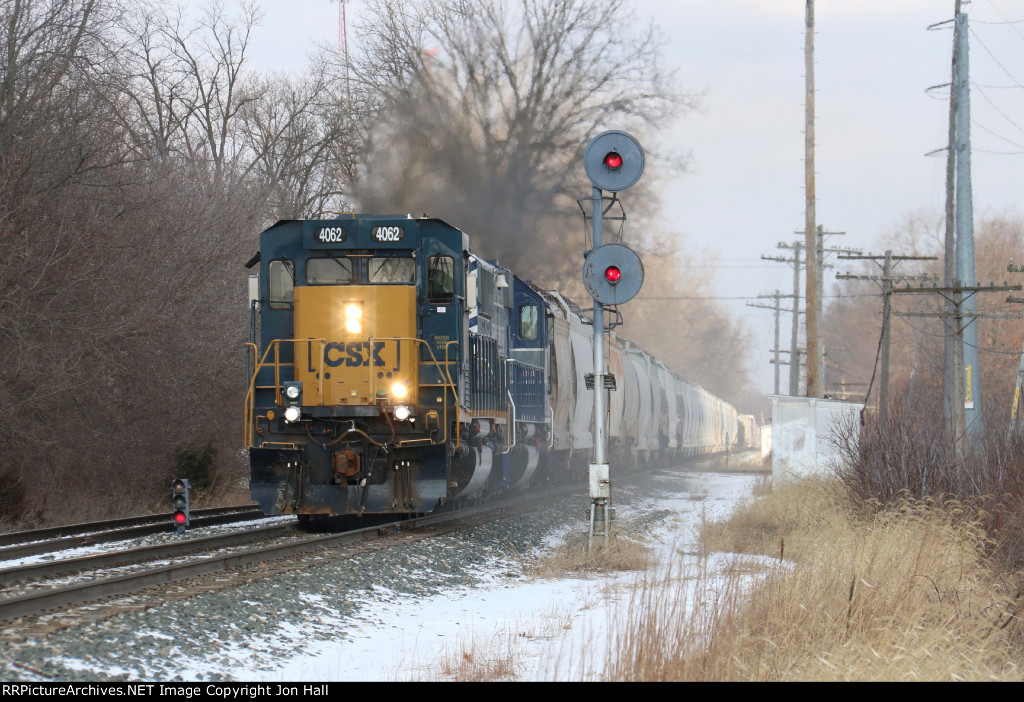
x: 443, y: 373
x: 250, y: 395
x: 512, y: 411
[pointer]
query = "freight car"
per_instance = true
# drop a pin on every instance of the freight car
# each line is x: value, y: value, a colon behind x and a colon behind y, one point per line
x: 391, y: 369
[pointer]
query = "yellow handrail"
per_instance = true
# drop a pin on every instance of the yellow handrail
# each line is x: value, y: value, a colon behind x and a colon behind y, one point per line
x: 250, y: 396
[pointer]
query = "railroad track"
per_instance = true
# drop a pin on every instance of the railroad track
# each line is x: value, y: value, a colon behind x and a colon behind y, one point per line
x: 30, y: 593
x: 37, y: 597
x: 21, y: 544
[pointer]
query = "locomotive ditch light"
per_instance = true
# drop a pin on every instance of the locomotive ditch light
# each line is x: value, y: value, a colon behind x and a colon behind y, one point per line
x: 180, y: 504
x: 292, y: 392
x: 292, y: 414
x: 402, y: 413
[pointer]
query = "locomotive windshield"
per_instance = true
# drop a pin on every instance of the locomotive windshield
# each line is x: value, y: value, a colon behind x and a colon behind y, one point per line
x: 440, y: 278
x: 329, y: 271
x: 282, y: 281
x: 392, y: 270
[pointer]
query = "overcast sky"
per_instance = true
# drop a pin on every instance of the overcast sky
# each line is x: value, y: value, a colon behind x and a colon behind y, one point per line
x: 875, y: 121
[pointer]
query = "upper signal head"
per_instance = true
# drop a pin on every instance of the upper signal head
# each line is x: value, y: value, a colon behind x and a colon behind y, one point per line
x: 613, y: 161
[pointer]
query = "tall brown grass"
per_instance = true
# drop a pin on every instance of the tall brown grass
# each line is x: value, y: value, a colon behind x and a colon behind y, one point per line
x: 897, y: 594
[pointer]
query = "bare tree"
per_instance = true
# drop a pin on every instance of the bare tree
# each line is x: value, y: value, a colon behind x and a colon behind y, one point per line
x: 485, y: 109
x: 301, y: 137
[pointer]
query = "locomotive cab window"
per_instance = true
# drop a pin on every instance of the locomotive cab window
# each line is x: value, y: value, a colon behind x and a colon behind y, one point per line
x: 329, y: 271
x: 528, y: 319
x: 440, y: 278
x: 282, y: 283
x: 392, y: 269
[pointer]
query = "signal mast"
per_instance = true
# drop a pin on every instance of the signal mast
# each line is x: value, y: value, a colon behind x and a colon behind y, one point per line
x: 612, y: 274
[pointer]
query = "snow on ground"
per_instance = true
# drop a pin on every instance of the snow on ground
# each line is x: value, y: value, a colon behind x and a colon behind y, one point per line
x: 547, y: 623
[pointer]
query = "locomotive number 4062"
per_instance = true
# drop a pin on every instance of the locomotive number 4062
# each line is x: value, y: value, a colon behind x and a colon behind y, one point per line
x: 387, y: 233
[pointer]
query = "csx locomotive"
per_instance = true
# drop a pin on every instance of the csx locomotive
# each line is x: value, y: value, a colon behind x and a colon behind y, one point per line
x: 391, y: 369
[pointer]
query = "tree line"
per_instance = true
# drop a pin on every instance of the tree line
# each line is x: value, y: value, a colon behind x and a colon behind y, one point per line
x: 141, y: 153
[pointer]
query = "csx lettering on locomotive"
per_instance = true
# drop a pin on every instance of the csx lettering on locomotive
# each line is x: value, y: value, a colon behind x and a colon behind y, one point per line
x: 351, y: 354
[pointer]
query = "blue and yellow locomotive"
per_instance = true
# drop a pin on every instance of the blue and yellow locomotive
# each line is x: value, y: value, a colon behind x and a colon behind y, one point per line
x: 391, y: 369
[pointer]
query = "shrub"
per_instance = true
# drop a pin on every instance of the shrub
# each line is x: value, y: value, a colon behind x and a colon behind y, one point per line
x: 197, y: 465
x: 13, y: 501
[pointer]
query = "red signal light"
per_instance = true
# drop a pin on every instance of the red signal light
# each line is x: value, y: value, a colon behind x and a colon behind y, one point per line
x: 180, y: 518
x: 612, y: 274
x: 613, y: 160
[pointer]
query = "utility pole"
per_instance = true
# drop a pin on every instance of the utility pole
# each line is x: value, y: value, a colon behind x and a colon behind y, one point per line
x: 819, y: 258
x: 814, y: 388
x: 965, y: 227
x: 887, y: 282
x: 952, y: 363
x: 777, y: 308
x: 794, y: 352
x: 956, y: 324
x: 1015, y: 413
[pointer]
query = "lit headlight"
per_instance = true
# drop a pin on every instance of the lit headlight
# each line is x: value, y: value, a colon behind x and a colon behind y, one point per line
x: 402, y: 413
x: 399, y: 391
x: 353, y: 319
x: 292, y: 414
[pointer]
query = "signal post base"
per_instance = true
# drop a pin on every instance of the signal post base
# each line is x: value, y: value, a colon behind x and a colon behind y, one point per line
x: 600, y: 512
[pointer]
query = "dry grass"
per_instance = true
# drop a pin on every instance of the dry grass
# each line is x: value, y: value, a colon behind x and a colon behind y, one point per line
x: 624, y: 552
x: 903, y: 594
x: 796, y: 585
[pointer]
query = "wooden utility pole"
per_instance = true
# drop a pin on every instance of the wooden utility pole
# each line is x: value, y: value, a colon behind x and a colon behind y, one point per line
x: 778, y: 309
x: 794, y: 345
x: 952, y: 392
x: 814, y: 386
x: 887, y: 282
x: 1015, y: 414
x: 961, y: 319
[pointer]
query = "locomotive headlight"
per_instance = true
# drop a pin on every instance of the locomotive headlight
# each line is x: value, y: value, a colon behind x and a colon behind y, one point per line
x: 292, y: 414
x: 399, y: 391
x: 402, y: 413
x: 353, y: 318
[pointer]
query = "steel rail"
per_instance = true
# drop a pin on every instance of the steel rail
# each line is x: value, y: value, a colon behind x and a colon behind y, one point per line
x: 113, y: 559
x: 93, y: 590
x: 17, y: 537
x: 115, y: 533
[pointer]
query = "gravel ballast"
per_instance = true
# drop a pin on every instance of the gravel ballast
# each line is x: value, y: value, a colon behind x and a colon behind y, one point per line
x: 219, y: 635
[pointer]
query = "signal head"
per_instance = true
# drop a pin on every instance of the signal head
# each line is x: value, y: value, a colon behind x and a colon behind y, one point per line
x: 613, y: 161
x: 180, y: 504
x: 613, y: 274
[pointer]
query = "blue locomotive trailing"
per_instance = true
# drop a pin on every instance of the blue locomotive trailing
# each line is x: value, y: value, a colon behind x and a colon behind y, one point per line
x: 393, y: 370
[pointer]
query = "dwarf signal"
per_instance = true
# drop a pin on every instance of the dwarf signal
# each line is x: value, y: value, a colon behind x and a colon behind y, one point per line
x: 180, y: 504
